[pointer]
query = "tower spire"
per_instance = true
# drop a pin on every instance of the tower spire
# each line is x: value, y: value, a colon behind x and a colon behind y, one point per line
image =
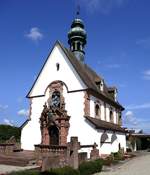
x: 77, y: 37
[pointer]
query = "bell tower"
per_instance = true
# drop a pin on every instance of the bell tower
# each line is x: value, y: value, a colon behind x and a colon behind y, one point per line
x: 77, y: 37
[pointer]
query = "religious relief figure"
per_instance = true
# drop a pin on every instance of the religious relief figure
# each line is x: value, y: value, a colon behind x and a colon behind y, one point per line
x: 55, y: 99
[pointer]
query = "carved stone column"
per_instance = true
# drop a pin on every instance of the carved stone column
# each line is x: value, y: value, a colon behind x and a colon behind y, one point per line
x: 64, y: 127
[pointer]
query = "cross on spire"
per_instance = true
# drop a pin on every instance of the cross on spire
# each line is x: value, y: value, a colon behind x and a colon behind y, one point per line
x: 78, y: 11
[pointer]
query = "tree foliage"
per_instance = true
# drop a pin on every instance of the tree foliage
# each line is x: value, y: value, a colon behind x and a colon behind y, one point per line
x: 7, y: 131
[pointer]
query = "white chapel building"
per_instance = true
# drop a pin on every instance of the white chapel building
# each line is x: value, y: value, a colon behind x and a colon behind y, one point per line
x: 68, y: 98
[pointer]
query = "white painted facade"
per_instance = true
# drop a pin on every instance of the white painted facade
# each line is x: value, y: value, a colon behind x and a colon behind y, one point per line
x: 74, y: 104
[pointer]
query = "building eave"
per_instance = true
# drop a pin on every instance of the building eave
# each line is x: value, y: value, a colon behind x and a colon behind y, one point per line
x: 101, y: 124
x: 24, y: 124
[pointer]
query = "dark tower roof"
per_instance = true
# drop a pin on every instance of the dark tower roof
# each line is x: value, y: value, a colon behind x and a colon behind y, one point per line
x: 77, y: 32
x: 77, y: 38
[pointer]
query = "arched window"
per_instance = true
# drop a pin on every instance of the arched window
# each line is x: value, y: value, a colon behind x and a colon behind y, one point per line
x: 119, y: 119
x: 102, y: 85
x: 97, y: 110
x: 111, y: 116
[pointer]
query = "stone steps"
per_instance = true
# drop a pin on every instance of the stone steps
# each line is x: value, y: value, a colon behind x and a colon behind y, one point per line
x: 23, y: 158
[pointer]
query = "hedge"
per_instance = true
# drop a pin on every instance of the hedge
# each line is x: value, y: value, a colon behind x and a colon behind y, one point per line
x: 90, y: 167
x: 25, y: 172
x: 63, y: 171
x: 85, y: 168
x: 58, y: 171
x: 118, y: 156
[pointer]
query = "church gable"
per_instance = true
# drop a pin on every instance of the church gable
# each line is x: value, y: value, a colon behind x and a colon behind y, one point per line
x: 56, y: 67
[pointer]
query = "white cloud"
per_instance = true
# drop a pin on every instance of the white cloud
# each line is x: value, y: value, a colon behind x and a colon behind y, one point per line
x: 130, y: 118
x: 104, y: 6
x: 129, y: 113
x: 141, y: 106
x: 8, y: 122
x: 23, y: 112
x: 144, y: 42
x: 131, y: 121
x: 34, y: 34
x: 3, y: 107
x: 146, y: 75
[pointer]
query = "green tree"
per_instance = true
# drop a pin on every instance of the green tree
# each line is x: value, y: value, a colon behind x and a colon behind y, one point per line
x: 7, y: 131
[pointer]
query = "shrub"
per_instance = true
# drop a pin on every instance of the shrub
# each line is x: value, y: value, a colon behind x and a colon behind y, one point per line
x: 63, y: 171
x: 90, y: 167
x: 85, y: 168
x: 25, y: 172
x: 118, y: 156
x: 56, y: 171
x: 48, y: 173
x: 108, y: 160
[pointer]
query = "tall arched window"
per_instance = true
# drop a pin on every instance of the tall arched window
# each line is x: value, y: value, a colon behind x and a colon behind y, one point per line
x: 119, y: 118
x: 97, y: 110
x: 111, y: 116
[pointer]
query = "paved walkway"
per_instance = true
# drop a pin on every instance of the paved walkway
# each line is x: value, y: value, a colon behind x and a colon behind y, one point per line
x: 139, y: 165
x: 8, y: 168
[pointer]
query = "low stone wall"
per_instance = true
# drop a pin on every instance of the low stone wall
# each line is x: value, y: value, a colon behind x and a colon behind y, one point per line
x: 55, y: 156
x: 6, y: 148
x: 51, y: 156
x: 82, y: 157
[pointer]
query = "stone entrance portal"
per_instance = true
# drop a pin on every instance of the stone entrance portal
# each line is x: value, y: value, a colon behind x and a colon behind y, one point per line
x: 54, y: 119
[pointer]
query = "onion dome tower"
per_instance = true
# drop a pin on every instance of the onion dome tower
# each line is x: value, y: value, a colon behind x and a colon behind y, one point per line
x: 77, y: 38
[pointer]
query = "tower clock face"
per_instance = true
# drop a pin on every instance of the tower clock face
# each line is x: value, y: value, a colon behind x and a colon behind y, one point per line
x: 55, y: 102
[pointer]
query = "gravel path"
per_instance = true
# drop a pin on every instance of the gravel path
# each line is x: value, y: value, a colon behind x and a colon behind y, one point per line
x: 8, y: 168
x: 139, y: 165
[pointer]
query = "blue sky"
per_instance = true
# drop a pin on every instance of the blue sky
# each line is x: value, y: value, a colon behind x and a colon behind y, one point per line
x: 118, y: 48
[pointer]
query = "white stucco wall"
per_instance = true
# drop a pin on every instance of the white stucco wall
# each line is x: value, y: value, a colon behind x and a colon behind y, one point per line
x: 105, y: 110
x: 31, y: 134
x: 108, y: 147
x: 66, y: 73
x: 92, y: 107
